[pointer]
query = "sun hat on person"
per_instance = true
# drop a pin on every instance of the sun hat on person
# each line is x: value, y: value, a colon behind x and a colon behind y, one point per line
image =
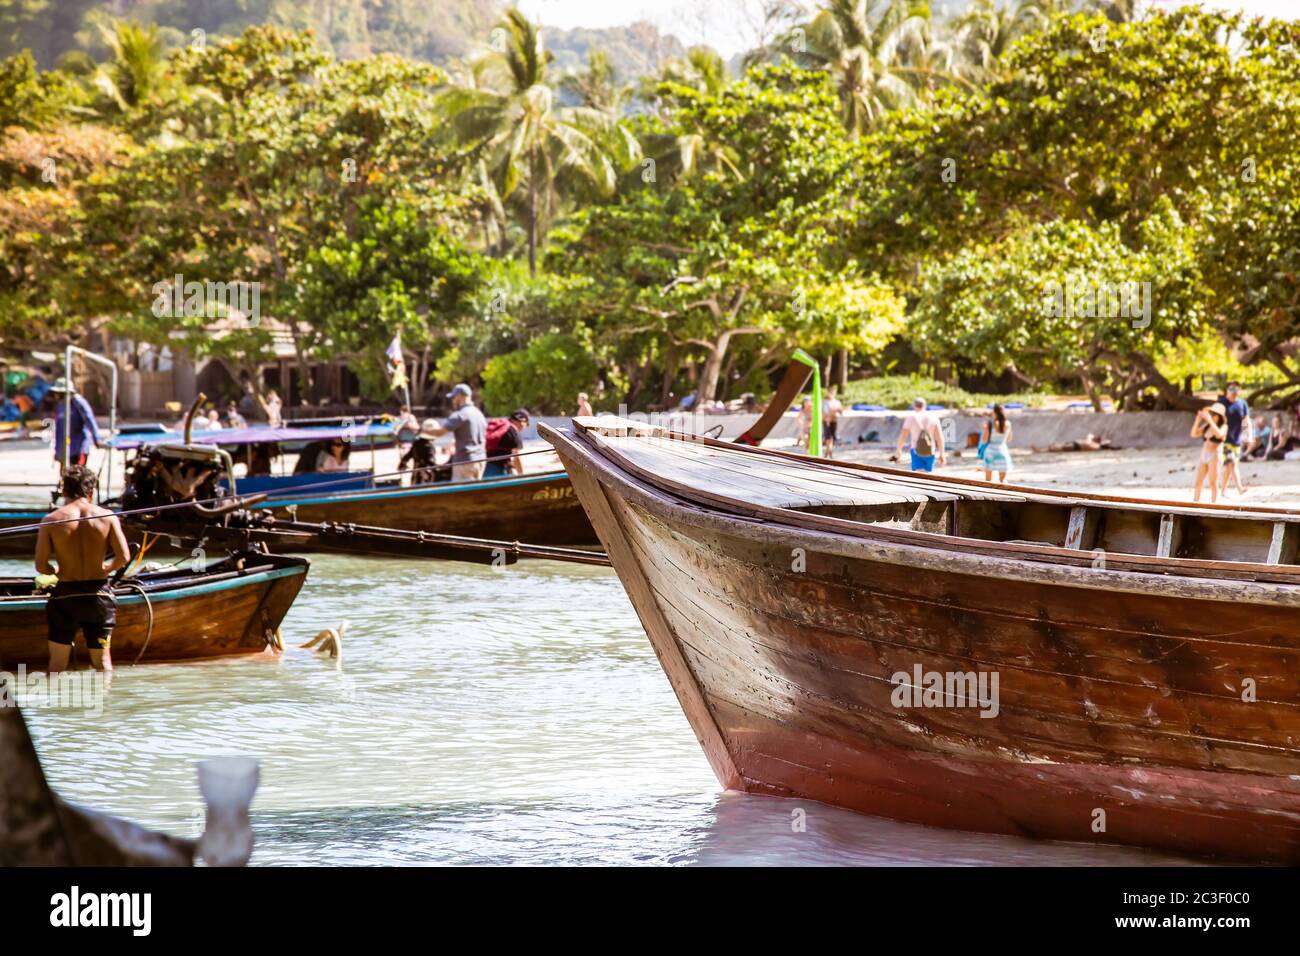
x: 1218, y: 409
x: 918, y: 402
x: 430, y: 427
x: 61, y: 385
x: 462, y: 389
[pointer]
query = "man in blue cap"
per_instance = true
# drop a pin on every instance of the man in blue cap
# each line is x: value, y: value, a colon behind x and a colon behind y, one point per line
x: 468, y: 427
x: 84, y: 433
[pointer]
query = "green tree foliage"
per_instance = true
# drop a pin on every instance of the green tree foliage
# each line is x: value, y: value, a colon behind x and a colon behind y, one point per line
x: 1047, y: 301
x: 545, y: 377
x: 899, y: 175
x: 694, y: 265
x: 509, y: 120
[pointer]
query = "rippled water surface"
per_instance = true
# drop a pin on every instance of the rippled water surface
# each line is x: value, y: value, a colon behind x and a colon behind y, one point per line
x: 513, y: 716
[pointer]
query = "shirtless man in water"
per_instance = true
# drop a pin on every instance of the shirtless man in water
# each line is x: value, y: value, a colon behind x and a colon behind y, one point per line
x: 82, y: 600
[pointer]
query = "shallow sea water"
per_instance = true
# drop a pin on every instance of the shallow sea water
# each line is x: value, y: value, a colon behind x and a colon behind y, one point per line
x: 478, y: 716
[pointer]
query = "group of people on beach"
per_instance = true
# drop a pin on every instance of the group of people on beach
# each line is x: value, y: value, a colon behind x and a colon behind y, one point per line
x: 922, y: 437
x: 830, y: 414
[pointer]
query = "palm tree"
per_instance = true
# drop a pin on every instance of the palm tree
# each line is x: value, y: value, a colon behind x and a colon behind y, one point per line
x: 881, y: 53
x: 1117, y: 11
x: 136, y: 64
x: 701, y: 70
x: 596, y: 86
x: 701, y: 73
x: 988, y: 28
x: 507, y: 116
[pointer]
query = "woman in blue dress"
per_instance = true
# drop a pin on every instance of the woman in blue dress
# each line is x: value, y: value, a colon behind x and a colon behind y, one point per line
x: 996, y: 439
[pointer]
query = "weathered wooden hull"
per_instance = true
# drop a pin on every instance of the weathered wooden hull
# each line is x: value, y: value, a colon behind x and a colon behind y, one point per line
x: 538, y: 509
x: 186, y: 617
x: 1120, y: 715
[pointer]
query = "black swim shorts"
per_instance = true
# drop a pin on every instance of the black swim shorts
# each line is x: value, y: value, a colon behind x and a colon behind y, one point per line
x: 86, y: 606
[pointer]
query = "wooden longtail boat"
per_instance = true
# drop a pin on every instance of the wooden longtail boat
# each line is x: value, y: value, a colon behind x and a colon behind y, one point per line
x: 233, y: 606
x: 537, y: 508
x: 963, y: 655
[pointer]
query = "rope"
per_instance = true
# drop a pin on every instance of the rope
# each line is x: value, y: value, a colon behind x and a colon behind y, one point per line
x: 29, y: 528
x: 149, y: 605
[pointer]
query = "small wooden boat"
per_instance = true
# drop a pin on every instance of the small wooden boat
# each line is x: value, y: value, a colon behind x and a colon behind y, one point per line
x: 233, y: 606
x: 537, y: 508
x: 964, y: 655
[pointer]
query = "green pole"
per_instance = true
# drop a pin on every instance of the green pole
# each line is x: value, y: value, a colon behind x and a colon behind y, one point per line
x: 815, y: 426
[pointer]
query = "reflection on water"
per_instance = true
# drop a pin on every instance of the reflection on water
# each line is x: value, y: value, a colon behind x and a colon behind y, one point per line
x: 478, y: 716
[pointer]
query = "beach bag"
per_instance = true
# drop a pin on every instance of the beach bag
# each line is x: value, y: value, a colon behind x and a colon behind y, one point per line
x: 496, y: 430
x: 924, y: 447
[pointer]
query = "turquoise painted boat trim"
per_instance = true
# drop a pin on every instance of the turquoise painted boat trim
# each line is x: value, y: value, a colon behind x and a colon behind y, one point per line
x: 411, y: 492
x: 176, y: 594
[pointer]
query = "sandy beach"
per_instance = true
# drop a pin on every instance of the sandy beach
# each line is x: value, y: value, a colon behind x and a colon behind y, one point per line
x: 1161, y: 473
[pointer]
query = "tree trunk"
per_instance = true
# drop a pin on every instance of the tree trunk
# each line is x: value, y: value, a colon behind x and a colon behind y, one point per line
x: 712, y: 367
x: 1094, y: 394
x: 532, y: 211
x: 842, y: 377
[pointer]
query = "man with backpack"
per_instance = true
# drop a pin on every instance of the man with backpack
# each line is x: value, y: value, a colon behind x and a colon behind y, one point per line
x: 504, y: 443
x: 922, y: 434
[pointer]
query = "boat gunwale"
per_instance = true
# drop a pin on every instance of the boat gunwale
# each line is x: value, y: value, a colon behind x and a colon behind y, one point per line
x: 189, y: 585
x: 1161, y: 505
x: 1044, y: 564
x: 411, y: 491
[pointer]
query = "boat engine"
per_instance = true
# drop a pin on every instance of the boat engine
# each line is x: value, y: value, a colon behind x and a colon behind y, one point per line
x: 173, y: 474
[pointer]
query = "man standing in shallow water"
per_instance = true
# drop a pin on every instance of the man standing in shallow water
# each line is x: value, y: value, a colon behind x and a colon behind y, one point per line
x: 79, y: 534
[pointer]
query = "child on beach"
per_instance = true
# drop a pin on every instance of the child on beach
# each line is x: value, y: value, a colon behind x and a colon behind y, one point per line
x: 1210, y: 424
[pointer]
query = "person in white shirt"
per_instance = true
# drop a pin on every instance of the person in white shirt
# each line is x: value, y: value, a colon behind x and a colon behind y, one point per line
x: 923, y: 436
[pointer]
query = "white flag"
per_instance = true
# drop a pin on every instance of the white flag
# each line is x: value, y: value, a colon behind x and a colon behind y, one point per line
x: 394, y: 352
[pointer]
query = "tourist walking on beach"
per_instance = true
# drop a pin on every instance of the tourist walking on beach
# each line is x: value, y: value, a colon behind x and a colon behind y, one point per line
x: 503, y: 452
x: 922, y: 435
x: 468, y: 427
x: 84, y: 433
x: 1211, y: 424
x: 804, y: 420
x: 271, y: 406
x: 831, y: 411
x: 1237, y: 415
x: 996, y: 441
x: 77, y: 536
x: 584, y: 406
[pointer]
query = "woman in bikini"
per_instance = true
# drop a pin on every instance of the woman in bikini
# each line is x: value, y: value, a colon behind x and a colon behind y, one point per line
x: 1211, y: 424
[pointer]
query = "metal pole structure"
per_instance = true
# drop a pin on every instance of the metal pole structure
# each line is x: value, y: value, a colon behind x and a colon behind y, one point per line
x: 67, y: 410
x: 815, y: 424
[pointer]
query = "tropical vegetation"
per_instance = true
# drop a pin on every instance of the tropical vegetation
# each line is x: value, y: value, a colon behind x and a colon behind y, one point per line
x: 896, y: 190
